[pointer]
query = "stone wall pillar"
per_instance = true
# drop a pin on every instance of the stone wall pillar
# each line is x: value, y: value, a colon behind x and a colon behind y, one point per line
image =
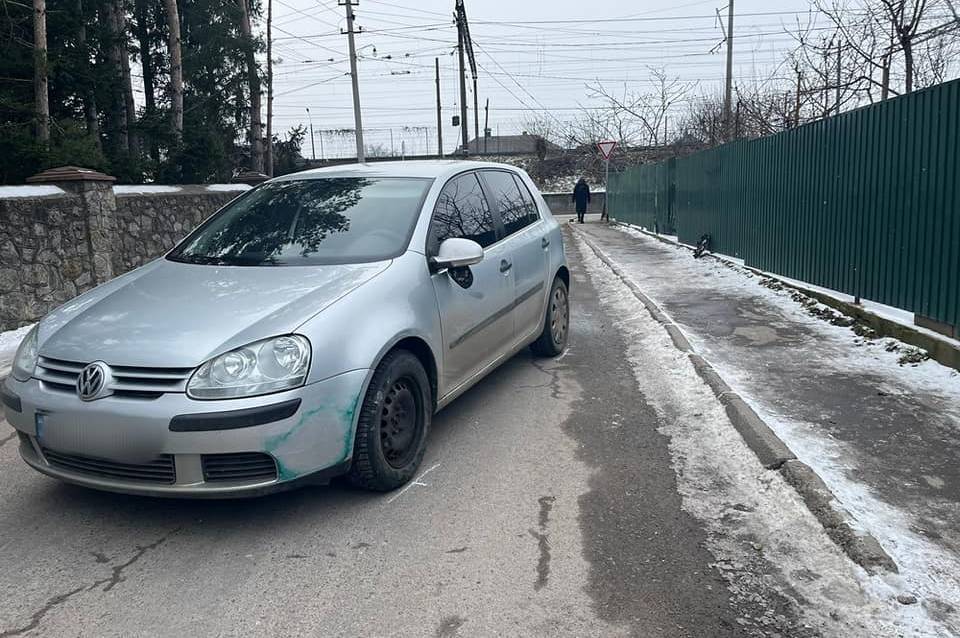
x: 95, y: 191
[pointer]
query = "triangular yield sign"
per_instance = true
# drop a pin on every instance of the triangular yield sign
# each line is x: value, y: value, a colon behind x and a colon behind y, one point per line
x: 606, y: 148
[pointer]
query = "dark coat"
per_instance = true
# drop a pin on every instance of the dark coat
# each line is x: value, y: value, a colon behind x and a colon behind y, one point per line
x: 581, y: 196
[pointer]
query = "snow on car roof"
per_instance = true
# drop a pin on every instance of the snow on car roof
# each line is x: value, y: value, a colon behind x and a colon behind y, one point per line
x: 419, y: 168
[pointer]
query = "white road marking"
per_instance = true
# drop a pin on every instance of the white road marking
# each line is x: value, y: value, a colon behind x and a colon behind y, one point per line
x: 416, y: 481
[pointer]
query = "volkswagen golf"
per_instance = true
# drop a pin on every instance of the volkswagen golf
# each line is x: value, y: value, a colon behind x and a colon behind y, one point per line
x: 310, y: 328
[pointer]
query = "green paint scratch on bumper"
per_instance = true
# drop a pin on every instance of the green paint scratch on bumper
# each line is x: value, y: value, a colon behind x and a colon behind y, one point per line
x: 345, y: 415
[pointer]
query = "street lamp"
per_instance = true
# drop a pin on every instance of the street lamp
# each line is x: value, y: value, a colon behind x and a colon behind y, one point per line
x: 313, y: 148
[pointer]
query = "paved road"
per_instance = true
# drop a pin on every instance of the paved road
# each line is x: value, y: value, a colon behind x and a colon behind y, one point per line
x: 548, y: 505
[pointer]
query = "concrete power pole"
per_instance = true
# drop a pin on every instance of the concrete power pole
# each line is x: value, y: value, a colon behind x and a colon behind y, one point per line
x: 476, y: 113
x: 465, y: 133
x: 486, y: 125
x: 358, y: 123
x: 729, y: 88
x: 436, y: 62
x: 269, y: 154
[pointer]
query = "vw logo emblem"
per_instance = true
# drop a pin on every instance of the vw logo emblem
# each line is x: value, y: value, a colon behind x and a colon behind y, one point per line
x: 93, y: 381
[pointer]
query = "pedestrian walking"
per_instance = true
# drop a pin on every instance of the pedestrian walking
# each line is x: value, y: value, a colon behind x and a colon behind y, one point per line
x: 581, y: 197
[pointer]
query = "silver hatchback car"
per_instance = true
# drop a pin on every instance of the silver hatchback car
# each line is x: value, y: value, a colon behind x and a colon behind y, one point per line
x: 308, y: 329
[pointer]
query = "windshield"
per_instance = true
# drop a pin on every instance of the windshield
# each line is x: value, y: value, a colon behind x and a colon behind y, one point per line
x: 310, y: 221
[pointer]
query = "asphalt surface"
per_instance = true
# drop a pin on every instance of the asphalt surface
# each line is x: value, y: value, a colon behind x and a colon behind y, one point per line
x: 547, y: 506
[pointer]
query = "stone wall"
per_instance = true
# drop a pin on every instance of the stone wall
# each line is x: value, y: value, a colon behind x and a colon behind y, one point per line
x: 149, y: 224
x: 59, y: 240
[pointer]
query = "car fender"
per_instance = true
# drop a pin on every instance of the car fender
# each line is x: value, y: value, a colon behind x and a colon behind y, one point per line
x: 360, y: 328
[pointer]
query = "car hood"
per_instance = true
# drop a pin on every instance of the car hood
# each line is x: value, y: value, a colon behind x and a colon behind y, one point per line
x: 169, y: 314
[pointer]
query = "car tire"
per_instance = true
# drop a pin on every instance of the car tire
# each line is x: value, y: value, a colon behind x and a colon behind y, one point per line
x: 393, y: 424
x: 556, y: 322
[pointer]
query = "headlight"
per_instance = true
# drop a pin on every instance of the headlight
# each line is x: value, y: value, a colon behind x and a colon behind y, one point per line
x: 263, y: 367
x: 26, y: 360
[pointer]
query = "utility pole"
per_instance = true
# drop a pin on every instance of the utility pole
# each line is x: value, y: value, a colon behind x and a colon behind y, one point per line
x: 839, y: 71
x: 313, y: 146
x: 729, y: 88
x: 463, y: 91
x: 796, y: 108
x: 476, y: 113
x: 436, y: 62
x: 358, y: 124
x: 465, y: 45
x: 486, y: 125
x: 269, y: 158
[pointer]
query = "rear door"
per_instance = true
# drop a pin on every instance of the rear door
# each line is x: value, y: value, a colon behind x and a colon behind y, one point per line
x: 527, y: 242
x: 477, y: 322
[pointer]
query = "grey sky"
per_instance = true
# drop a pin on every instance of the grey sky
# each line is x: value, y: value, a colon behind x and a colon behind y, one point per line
x: 525, y: 64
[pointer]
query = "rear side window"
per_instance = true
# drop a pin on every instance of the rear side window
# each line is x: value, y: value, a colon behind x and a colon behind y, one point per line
x: 514, y: 202
x: 462, y: 211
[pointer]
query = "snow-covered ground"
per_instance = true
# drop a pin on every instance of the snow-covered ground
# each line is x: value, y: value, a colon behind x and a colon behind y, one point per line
x: 884, y: 434
x: 751, y: 514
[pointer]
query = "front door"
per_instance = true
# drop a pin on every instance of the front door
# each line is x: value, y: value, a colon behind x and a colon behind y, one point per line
x: 477, y: 320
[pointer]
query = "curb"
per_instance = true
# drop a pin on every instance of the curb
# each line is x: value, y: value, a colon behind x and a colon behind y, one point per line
x: 939, y: 350
x: 863, y: 549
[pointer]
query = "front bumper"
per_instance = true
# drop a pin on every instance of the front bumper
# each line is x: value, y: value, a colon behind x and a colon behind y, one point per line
x: 139, y: 446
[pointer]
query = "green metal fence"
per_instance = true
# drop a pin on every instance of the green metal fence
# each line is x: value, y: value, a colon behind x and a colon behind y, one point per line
x: 866, y: 203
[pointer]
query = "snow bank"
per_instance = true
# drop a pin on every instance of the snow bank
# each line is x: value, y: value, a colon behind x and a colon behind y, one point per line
x: 39, y: 190
x: 144, y: 189
x: 219, y: 188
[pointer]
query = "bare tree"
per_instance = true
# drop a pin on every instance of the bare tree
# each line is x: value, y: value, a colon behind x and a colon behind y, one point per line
x: 876, y: 32
x: 649, y: 110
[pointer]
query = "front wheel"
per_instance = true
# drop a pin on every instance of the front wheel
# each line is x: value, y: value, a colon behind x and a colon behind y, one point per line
x: 556, y: 322
x: 393, y: 424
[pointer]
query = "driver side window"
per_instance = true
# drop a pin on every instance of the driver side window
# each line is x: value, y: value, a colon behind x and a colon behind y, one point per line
x: 462, y: 211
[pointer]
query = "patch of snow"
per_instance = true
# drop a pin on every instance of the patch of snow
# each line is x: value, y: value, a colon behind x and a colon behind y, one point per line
x: 9, y: 342
x: 217, y: 188
x: 38, y: 190
x: 144, y: 189
x: 890, y: 313
x: 723, y: 485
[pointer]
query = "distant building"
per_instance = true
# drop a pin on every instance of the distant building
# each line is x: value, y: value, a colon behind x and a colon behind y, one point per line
x: 510, y: 145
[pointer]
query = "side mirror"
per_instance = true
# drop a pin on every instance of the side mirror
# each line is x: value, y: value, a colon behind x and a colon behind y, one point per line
x: 457, y: 253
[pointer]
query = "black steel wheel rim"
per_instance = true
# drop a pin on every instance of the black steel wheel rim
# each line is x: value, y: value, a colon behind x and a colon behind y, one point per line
x: 400, y: 422
x: 559, y: 316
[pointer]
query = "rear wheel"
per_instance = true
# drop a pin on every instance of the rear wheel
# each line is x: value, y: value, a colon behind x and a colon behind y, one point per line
x: 393, y: 424
x: 556, y: 322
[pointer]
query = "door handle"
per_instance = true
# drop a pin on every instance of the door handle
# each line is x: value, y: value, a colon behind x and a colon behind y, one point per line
x: 544, y: 242
x: 505, y: 265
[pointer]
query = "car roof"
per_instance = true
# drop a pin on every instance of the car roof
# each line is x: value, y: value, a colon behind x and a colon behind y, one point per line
x: 419, y: 168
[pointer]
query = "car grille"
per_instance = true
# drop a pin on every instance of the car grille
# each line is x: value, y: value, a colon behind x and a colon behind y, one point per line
x: 161, y: 470
x: 241, y: 466
x: 140, y: 383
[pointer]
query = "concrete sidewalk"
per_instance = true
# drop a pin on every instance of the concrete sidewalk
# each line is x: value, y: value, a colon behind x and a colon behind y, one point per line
x: 884, y: 436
